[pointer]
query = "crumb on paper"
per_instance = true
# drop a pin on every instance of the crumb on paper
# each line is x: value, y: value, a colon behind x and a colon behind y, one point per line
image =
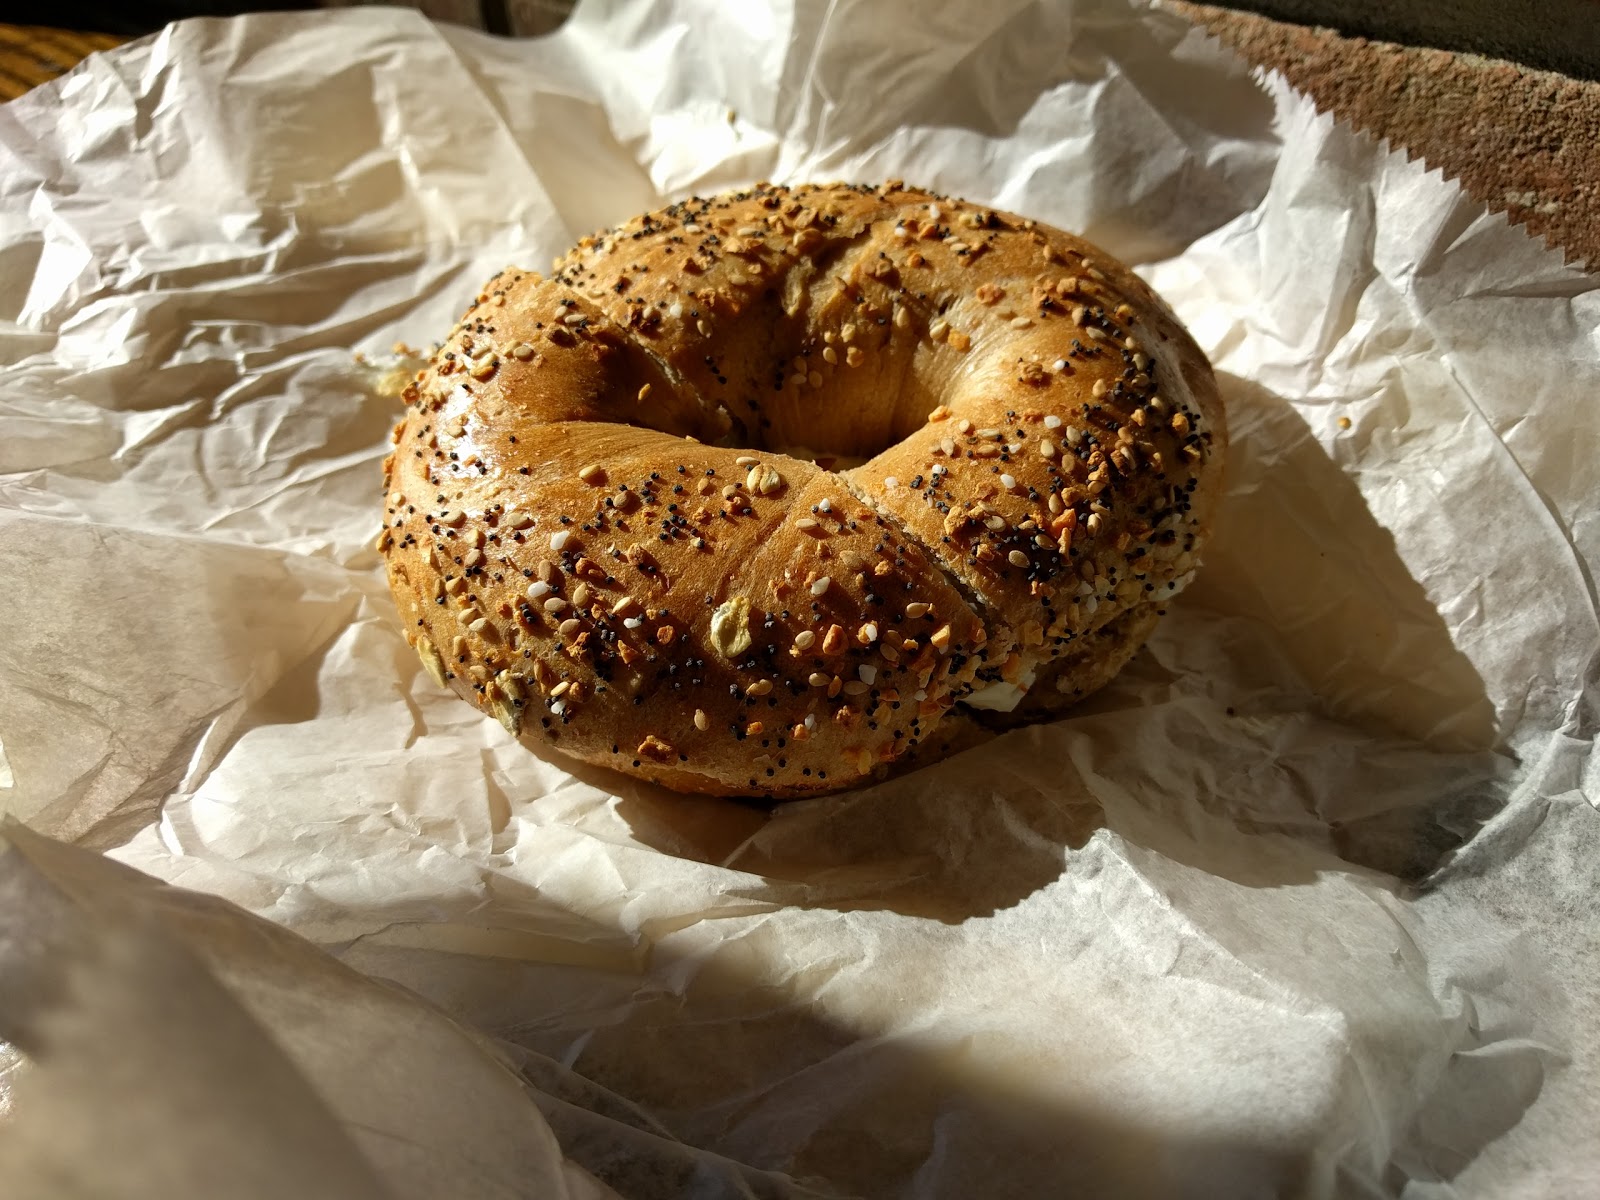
x: 388, y: 374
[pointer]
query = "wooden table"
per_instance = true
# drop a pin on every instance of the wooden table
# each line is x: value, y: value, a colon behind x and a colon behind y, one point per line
x: 1523, y: 142
x: 31, y: 54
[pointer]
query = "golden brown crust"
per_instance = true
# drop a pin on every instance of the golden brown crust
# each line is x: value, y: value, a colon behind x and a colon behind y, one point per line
x: 579, y: 545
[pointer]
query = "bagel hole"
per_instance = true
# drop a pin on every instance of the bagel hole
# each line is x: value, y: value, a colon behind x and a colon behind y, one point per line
x: 838, y: 429
x: 834, y: 365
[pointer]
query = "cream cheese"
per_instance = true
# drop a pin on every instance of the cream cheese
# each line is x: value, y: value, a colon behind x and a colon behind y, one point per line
x: 1004, y: 695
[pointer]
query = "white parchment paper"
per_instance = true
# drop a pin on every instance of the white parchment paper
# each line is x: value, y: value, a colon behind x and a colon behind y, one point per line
x: 1299, y: 907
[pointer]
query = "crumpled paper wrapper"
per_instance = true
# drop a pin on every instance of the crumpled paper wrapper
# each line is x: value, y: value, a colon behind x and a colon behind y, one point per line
x: 165, y: 1021
x: 1300, y: 906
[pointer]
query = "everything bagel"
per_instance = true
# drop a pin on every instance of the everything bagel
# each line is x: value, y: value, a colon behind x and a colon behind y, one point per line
x: 753, y: 492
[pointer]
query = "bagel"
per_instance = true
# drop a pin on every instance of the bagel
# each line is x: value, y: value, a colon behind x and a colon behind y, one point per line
x: 752, y: 491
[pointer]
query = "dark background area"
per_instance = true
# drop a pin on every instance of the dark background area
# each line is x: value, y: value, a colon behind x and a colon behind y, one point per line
x: 129, y: 20
x: 1553, y: 35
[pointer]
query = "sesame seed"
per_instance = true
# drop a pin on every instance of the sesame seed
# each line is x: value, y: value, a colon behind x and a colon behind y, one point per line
x: 759, y: 688
x: 701, y: 721
x: 580, y: 595
x: 964, y: 425
x: 512, y: 519
x: 569, y: 627
x: 822, y: 584
x: 1017, y: 558
x: 705, y: 329
x: 1021, y: 322
x: 815, y: 379
x: 746, y: 460
x: 554, y: 604
x: 473, y: 559
x: 644, y: 392
x: 855, y: 688
x: 917, y: 609
x: 522, y: 351
x: 593, y: 474
x: 939, y: 330
x: 818, y: 679
x: 830, y: 355
x: 1047, y: 448
x: 806, y: 525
